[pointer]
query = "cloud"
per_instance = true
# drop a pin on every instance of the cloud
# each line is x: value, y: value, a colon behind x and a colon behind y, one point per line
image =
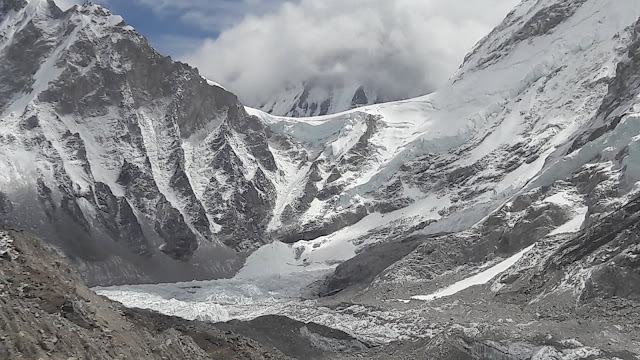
x: 403, y: 48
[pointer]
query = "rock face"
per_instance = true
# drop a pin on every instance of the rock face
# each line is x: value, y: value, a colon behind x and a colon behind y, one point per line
x: 601, y: 262
x: 101, y: 140
x: 46, y: 312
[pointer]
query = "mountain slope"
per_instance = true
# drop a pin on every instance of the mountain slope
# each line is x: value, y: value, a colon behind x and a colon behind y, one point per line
x: 99, y: 134
x: 572, y: 221
x: 47, y: 312
x: 559, y: 151
x: 445, y: 161
x: 144, y: 171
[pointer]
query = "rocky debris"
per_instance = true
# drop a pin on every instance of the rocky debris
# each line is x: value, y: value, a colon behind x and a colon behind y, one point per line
x: 218, y: 341
x: 555, y: 303
x: 478, y: 342
x: 46, y: 312
x: 296, y: 339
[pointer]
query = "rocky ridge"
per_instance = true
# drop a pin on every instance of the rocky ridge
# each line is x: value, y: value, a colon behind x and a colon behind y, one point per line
x: 47, y: 312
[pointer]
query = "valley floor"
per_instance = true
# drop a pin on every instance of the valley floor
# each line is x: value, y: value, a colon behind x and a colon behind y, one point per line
x: 468, y: 319
x: 47, y: 313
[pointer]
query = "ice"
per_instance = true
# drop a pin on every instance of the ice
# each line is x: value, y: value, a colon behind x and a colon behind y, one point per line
x: 478, y: 279
x: 274, y: 259
x: 575, y: 203
x: 190, y: 310
x: 561, y: 198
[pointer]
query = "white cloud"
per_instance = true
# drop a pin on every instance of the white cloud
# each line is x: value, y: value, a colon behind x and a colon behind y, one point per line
x: 404, y: 48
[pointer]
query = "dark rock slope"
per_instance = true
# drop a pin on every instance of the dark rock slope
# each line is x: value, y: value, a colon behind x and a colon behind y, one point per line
x: 46, y: 312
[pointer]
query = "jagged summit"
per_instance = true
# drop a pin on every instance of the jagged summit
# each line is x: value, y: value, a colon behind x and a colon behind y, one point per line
x: 91, y: 76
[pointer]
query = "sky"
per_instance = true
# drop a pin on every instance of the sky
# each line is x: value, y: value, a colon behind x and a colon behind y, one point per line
x: 256, y: 48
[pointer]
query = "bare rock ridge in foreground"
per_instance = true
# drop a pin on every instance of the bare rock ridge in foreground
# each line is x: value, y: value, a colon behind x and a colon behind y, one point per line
x: 46, y: 312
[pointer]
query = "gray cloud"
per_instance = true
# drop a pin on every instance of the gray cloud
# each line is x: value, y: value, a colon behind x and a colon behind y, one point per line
x: 404, y: 48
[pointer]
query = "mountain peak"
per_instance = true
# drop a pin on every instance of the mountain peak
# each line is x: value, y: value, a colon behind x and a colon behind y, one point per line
x: 319, y: 99
x: 141, y: 170
x: 161, y: 161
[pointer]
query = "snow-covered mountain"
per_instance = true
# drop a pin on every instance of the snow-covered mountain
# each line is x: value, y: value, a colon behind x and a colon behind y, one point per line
x: 495, y: 218
x: 317, y: 99
x: 102, y: 149
x: 142, y: 170
x: 536, y: 135
x: 520, y: 176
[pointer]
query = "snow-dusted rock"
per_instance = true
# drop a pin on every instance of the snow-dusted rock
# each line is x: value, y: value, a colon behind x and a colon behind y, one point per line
x: 316, y: 99
x: 142, y: 170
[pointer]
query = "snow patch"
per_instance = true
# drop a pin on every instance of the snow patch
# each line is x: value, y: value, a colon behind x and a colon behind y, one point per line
x: 478, y: 279
x: 573, y: 225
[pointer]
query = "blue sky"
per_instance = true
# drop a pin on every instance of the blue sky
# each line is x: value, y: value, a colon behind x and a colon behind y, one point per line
x: 164, y: 33
x: 153, y: 22
x: 178, y: 27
